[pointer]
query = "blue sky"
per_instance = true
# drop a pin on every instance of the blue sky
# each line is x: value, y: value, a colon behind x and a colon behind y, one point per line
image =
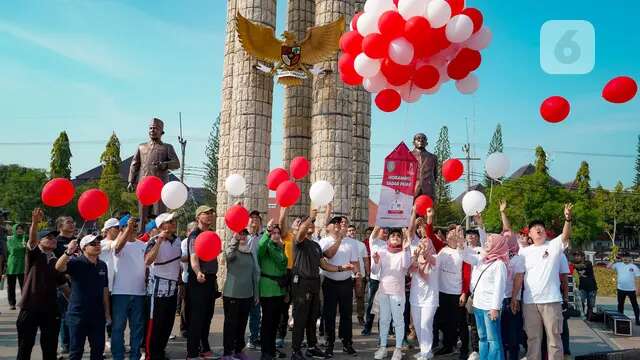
x: 93, y: 67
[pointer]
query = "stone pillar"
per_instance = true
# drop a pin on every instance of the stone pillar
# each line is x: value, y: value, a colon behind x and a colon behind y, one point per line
x: 331, y: 122
x: 361, y: 148
x: 297, y: 106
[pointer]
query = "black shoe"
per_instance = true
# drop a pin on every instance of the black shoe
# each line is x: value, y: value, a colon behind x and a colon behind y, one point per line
x: 463, y: 356
x: 365, y: 332
x: 280, y: 354
x: 349, y: 350
x: 637, y: 322
x: 316, y: 353
x: 329, y: 351
x: 443, y: 351
x: 298, y: 356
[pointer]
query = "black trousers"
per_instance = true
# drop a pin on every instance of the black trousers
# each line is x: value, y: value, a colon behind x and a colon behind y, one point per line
x: 283, y: 326
x: 11, y: 287
x: 82, y: 329
x: 184, y: 308
x: 632, y: 298
x: 236, y: 315
x: 27, y: 325
x: 306, y: 309
x: 271, y: 316
x: 201, y: 299
x: 372, y: 289
x: 160, y: 325
x: 453, y: 322
x: 338, y: 294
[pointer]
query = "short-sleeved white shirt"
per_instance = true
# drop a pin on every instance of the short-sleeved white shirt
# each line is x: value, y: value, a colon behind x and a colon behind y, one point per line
x: 542, y: 268
x: 627, y: 274
x: 516, y: 266
x: 106, y: 255
x: 346, y: 253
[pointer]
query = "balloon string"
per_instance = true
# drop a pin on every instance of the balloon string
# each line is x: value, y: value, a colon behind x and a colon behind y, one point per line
x: 490, y: 191
x: 82, y: 229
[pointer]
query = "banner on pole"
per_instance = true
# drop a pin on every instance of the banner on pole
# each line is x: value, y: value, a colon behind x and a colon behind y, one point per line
x: 398, y: 188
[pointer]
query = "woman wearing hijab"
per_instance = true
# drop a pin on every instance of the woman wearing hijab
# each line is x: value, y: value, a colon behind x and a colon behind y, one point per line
x: 15, y: 261
x: 488, y: 282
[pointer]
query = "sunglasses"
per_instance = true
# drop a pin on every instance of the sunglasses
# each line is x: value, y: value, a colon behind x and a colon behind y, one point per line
x: 93, y: 243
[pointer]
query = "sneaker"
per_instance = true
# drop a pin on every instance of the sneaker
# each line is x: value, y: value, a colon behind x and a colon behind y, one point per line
x: 298, y: 356
x: 397, y: 354
x: 365, y: 332
x: 251, y: 345
x: 12, y: 307
x: 474, y: 356
x: 463, y: 356
x: 172, y: 337
x: 349, y: 350
x: 381, y: 353
x: 279, y: 343
x: 240, y: 356
x: 315, y: 353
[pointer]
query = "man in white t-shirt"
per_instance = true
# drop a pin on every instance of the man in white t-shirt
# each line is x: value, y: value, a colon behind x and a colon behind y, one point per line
x: 128, y: 291
x: 359, y: 283
x: 337, y: 287
x: 110, y: 231
x: 542, y: 299
x: 377, y: 240
x: 628, y: 284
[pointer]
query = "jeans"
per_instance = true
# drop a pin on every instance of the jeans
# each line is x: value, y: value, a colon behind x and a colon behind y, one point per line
x: 254, y: 323
x: 338, y: 294
x: 236, y: 313
x: 82, y: 328
x: 131, y: 308
x: 511, y: 331
x: 391, y: 306
x: 490, y: 345
x: 64, y: 328
x: 588, y: 298
x: 372, y: 289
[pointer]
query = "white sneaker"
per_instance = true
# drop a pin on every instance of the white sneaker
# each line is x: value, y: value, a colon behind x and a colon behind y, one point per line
x: 474, y: 356
x: 397, y: 354
x: 381, y: 353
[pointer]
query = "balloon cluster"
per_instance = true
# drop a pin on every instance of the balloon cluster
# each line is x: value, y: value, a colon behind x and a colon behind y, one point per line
x: 287, y: 191
x: 401, y: 49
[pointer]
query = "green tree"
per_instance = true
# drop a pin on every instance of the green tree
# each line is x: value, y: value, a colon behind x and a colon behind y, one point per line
x: 211, y: 163
x: 494, y: 146
x: 61, y: 157
x: 541, y: 161
x: 636, y: 179
x: 582, y: 182
x: 587, y: 225
x: 442, y: 152
x: 110, y: 181
x: 20, y: 189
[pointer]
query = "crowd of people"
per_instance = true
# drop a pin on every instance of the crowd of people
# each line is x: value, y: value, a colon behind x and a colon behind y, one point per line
x: 486, y: 296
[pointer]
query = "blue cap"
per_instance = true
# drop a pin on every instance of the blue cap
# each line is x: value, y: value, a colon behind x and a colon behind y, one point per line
x: 150, y: 226
x: 124, y: 220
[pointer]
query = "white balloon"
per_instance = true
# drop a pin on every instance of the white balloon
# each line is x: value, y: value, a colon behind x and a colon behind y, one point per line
x: 378, y: 7
x: 497, y: 165
x: 366, y: 66
x: 459, y: 28
x: 433, y: 90
x: 413, y: 96
x: 438, y: 13
x: 321, y: 193
x: 174, y: 194
x: 403, y: 89
x: 473, y: 202
x: 411, y: 8
x: 375, y: 83
x: 368, y: 23
x: 444, y: 77
x: 468, y: 85
x: 401, y: 51
x: 480, y: 40
x: 235, y: 184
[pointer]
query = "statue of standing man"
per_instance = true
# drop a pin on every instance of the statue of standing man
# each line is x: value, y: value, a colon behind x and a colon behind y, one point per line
x: 153, y: 158
x: 427, y: 166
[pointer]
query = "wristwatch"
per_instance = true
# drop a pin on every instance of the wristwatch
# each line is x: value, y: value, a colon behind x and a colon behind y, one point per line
x: 339, y: 268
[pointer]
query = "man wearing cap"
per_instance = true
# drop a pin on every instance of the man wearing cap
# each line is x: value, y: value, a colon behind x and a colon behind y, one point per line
x: 128, y: 290
x: 153, y: 158
x: 66, y: 227
x: 89, y: 302
x: 163, y: 256
x: 39, y: 292
x: 201, y: 290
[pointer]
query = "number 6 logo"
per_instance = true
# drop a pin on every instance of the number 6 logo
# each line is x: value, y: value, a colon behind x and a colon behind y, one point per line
x: 567, y: 47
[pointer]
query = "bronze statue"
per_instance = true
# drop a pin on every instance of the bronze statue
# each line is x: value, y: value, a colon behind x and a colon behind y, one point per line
x: 152, y: 158
x: 427, y: 166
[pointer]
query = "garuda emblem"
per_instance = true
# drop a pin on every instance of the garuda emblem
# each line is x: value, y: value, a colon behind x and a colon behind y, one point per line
x: 291, y: 61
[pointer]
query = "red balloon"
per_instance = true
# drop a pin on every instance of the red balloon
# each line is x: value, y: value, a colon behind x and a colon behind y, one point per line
x: 452, y: 170
x: 276, y: 177
x: 149, y: 190
x: 354, y: 21
x: 457, y: 70
x: 351, y: 78
x: 92, y: 204
x: 345, y: 63
x: 351, y: 42
x: 375, y: 46
x: 207, y: 245
x: 391, y: 24
x: 470, y: 58
x: 423, y: 203
x: 57, y: 192
x: 620, y: 90
x: 420, y: 34
x: 456, y: 6
x: 440, y: 38
x: 396, y: 74
x: 287, y: 194
x: 395, y: 2
x: 388, y: 100
x: 426, y: 77
x: 476, y: 17
x: 300, y: 167
x: 555, y: 109
x: 236, y: 218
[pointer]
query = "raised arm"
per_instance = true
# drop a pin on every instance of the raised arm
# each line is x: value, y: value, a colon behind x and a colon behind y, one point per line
x: 375, y: 234
x: 566, y: 230
x: 506, y: 224
x: 302, y: 230
x: 36, y: 217
x: 412, y: 224
x: 437, y: 243
x: 61, y: 264
x: 284, y: 224
x: 333, y: 249
x: 151, y: 255
x: 125, y: 235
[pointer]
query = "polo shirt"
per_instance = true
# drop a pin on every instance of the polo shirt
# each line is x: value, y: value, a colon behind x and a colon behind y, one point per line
x: 346, y: 253
x: 88, y: 281
x: 308, y: 255
x: 41, y: 281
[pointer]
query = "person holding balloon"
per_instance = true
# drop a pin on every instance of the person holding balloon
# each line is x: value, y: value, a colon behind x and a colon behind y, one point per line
x: 241, y: 292
x: 253, y: 238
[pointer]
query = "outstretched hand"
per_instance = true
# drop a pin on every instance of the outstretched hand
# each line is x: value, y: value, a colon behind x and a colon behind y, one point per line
x: 503, y: 205
x: 568, y: 208
x: 37, y: 215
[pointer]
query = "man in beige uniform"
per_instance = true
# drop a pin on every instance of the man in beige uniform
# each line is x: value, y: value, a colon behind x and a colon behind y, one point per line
x: 153, y: 158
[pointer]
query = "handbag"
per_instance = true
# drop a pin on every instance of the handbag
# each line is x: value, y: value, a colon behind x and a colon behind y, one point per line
x: 469, y: 304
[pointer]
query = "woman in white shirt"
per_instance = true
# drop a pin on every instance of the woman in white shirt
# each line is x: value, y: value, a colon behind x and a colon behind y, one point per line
x: 488, y: 282
x: 424, y: 294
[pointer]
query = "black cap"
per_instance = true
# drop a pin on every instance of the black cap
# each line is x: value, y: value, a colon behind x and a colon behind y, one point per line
x: 44, y: 233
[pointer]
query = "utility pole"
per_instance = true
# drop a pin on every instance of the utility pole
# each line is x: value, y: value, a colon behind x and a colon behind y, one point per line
x: 183, y: 145
x: 466, y: 148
